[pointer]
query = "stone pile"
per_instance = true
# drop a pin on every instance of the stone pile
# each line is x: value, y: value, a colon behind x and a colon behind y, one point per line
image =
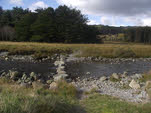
x: 61, y: 73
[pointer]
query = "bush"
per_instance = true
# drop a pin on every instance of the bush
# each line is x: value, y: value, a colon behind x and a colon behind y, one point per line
x: 123, y: 53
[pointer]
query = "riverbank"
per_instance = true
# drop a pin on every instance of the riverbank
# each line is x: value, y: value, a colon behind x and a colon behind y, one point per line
x: 43, y: 50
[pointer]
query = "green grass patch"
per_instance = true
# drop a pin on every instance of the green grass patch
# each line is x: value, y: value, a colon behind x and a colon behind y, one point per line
x: 105, y: 104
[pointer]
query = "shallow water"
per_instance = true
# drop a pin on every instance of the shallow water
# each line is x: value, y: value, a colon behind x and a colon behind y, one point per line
x: 98, y: 69
x: 44, y: 68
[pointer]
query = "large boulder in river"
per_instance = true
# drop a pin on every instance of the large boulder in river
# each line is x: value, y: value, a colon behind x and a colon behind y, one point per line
x: 133, y: 84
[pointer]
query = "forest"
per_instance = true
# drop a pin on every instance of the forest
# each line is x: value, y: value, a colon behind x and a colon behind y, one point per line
x: 60, y: 25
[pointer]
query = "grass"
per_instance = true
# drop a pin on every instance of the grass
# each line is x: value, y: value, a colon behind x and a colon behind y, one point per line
x: 105, y: 104
x: 146, y: 77
x: 40, y: 50
x: 15, y: 99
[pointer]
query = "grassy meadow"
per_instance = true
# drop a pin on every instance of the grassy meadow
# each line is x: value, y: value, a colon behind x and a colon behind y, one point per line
x: 109, y: 50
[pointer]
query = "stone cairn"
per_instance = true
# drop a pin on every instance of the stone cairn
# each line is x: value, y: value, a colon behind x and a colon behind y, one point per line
x: 61, y: 73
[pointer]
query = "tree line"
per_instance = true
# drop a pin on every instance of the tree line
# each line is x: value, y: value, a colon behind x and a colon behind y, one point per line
x: 138, y: 34
x: 61, y: 25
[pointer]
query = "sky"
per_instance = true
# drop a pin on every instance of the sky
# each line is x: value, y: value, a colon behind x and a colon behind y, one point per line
x: 106, y: 12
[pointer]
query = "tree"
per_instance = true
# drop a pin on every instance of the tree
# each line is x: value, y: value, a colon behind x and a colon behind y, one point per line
x: 70, y: 24
x: 44, y: 25
x: 23, y: 27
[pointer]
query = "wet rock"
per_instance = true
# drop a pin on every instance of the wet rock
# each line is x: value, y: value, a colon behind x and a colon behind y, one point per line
x: 124, y: 74
x: 104, y: 78
x: 13, y: 74
x: 53, y: 86
x: 60, y: 77
x: 88, y: 73
x: 33, y: 75
x: 6, y: 58
x: 134, y: 85
x: 24, y: 77
x: 57, y: 63
x: 137, y: 76
x: 3, y: 74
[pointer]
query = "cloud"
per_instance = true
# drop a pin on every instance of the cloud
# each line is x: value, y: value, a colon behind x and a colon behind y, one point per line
x: 36, y: 5
x: 93, y: 22
x: 132, y: 11
x: 114, y: 7
x: 16, y: 2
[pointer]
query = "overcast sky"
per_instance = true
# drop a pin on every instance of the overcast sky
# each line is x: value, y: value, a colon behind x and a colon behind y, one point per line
x: 107, y: 12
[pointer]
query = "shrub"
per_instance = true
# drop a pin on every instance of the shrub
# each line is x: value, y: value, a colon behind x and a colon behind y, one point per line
x: 123, y: 53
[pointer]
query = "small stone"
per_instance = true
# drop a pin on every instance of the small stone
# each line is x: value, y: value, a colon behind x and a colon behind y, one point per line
x: 33, y: 75
x: 6, y: 58
x: 115, y: 76
x: 13, y: 74
x: 24, y: 77
x: 53, y: 86
x: 60, y: 77
x: 88, y: 73
x: 103, y: 78
x: 148, y: 85
x: 49, y: 81
x: 3, y: 74
x: 138, y: 76
x: 121, y: 82
x: 124, y: 75
x: 25, y: 85
x: 134, y: 84
x: 61, y: 72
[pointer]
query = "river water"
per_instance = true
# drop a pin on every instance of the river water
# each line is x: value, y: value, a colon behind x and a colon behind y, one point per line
x: 82, y: 69
x: 98, y: 69
x: 43, y: 68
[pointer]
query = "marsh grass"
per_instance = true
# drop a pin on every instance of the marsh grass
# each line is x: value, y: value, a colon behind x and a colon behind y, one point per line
x: 87, y: 50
